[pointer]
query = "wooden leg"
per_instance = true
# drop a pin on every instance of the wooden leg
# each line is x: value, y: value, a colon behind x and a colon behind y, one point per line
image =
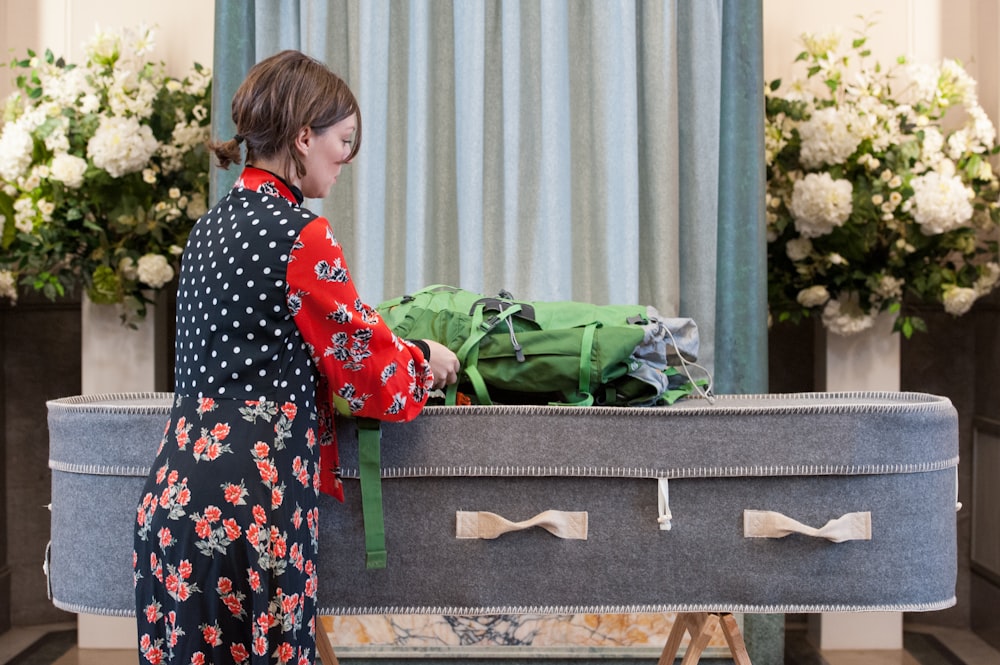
x: 324, y: 647
x: 701, y: 625
x: 674, y: 640
x: 701, y: 634
x: 735, y: 640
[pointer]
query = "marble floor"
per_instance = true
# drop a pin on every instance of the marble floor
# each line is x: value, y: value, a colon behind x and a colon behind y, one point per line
x: 925, y: 645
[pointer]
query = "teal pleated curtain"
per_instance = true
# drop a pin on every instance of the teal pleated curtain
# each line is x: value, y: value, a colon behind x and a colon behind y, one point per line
x: 609, y: 150
x: 601, y: 150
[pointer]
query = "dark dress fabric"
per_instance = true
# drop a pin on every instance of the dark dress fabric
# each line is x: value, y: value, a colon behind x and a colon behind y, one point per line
x: 272, y: 338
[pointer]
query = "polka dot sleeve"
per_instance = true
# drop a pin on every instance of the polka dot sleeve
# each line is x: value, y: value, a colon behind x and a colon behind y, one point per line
x: 370, y: 371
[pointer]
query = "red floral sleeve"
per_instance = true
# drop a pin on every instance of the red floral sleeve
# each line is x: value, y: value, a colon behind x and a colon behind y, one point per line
x: 369, y: 371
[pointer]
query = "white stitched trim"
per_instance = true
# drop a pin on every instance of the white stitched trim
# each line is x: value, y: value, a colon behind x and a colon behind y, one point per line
x: 632, y: 609
x: 98, y: 403
x: 647, y: 472
x: 572, y: 609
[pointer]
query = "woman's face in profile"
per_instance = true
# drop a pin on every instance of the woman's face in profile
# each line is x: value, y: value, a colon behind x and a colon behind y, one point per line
x: 326, y: 152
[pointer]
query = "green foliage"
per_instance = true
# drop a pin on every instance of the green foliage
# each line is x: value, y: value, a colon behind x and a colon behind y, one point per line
x: 103, y: 170
x: 873, y: 200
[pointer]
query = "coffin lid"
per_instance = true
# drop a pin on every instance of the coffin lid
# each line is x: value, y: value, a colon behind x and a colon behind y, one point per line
x: 735, y: 435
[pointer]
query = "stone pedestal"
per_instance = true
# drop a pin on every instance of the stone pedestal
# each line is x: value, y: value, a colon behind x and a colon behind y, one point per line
x: 867, y: 361
x: 115, y: 359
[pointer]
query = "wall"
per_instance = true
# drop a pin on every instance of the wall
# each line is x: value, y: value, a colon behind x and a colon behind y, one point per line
x: 184, y: 29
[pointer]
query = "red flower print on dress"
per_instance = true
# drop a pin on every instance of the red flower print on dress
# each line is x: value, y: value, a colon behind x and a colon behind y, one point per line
x: 239, y: 653
x: 153, y: 613
x: 263, y: 409
x: 211, y: 634
x: 209, y: 446
x: 312, y: 585
x: 234, y: 603
x: 284, y: 652
x: 205, y: 404
x: 198, y: 658
x: 181, y: 433
x: 166, y: 539
x: 235, y: 494
x: 233, y: 600
x: 153, y: 655
x: 259, y: 515
x: 268, y: 471
x: 214, y: 539
x: 176, y: 583
x: 184, y: 569
x: 253, y: 577
x: 253, y: 535
x: 295, y: 555
x: 278, y: 543
x: 301, y: 471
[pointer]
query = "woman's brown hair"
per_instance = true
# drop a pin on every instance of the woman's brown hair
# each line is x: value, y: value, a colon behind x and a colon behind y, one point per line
x: 281, y: 95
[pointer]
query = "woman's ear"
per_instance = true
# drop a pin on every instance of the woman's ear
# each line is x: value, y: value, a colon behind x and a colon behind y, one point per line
x: 303, y: 140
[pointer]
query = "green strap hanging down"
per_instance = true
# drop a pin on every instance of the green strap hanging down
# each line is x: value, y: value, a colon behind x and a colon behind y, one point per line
x: 370, y: 470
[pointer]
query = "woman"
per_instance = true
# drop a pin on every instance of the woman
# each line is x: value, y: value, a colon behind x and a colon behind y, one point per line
x: 271, y: 338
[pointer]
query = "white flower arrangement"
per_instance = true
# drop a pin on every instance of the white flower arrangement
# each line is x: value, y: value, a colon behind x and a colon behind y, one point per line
x: 103, y: 170
x: 875, y: 197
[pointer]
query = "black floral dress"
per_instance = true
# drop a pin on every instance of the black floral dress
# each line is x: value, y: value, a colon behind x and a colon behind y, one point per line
x: 271, y: 340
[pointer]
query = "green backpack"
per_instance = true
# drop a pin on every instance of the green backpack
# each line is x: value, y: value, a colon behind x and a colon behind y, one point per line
x: 517, y: 352
x: 568, y: 353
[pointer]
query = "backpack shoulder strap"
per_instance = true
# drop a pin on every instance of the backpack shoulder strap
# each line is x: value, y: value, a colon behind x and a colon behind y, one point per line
x: 370, y: 471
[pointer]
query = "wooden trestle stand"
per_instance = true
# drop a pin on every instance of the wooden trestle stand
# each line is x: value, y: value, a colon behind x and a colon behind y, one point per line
x: 701, y: 625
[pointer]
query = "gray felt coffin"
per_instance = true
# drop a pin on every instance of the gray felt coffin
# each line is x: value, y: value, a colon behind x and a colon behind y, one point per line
x: 761, y: 503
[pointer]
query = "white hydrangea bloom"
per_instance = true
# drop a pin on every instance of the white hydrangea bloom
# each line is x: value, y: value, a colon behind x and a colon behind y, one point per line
x: 813, y: 296
x: 915, y: 83
x: 940, y: 202
x: 155, y: 270
x: 958, y: 144
x: 25, y: 214
x: 197, y: 206
x: 988, y: 279
x: 798, y: 248
x: 8, y: 284
x: 958, y: 300
x: 843, y: 316
x: 982, y: 129
x: 132, y: 97
x: 15, y: 150
x: 932, y: 146
x: 121, y: 146
x: 890, y: 287
x: 820, y: 203
x: 827, y: 138
x: 128, y: 268
x: 956, y: 81
x: 68, y: 169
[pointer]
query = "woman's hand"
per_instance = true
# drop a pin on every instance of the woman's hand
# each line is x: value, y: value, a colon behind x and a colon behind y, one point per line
x: 444, y: 364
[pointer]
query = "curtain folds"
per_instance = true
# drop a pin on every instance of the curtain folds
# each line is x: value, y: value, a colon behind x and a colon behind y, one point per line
x: 609, y: 151
x: 603, y: 151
